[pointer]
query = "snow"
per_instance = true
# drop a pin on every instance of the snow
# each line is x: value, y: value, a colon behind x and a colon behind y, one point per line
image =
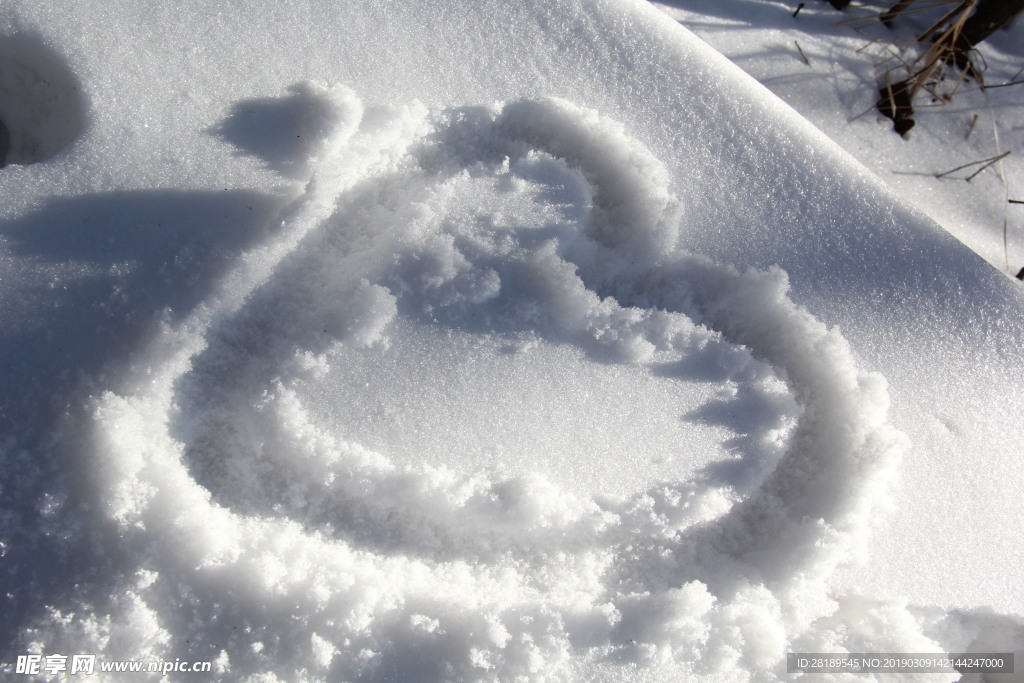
x: 40, y: 101
x: 849, y: 53
x: 445, y: 341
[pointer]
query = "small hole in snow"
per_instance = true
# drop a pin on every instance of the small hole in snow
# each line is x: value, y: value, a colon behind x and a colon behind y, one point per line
x: 40, y: 109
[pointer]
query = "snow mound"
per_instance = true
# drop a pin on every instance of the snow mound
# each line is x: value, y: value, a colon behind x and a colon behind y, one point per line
x: 265, y: 532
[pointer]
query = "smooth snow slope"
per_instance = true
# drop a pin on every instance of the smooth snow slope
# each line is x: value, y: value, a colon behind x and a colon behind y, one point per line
x: 454, y: 341
x: 848, y: 54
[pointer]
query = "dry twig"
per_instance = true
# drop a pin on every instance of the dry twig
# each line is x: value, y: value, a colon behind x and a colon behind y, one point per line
x: 802, y: 55
x: 988, y: 162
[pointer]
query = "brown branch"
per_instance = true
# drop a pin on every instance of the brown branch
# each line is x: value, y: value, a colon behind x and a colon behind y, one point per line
x: 974, y: 122
x: 802, y: 55
x: 1001, y: 85
x: 987, y: 162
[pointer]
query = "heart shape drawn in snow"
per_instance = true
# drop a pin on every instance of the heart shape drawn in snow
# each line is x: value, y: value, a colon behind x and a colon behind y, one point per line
x: 250, y: 489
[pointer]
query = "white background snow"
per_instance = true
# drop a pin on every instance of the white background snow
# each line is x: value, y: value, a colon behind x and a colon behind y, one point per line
x: 459, y: 341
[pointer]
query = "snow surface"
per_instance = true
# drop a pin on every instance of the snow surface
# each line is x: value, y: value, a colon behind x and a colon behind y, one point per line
x: 448, y: 341
x: 848, y: 54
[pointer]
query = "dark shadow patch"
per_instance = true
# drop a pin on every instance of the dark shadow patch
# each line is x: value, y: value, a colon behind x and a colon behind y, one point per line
x: 713, y: 362
x: 94, y: 275
x: 753, y: 412
x: 97, y: 270
x: 40, y: 101
x: 275, y: 130
x: 5, y: 143
x: 758, y: 14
